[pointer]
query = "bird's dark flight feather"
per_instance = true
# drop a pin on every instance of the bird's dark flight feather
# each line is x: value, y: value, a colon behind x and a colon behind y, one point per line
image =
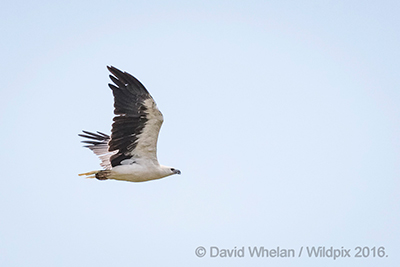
x: 129, y: 96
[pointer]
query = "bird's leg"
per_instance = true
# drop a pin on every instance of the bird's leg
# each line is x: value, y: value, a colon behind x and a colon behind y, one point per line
x: 100, y: 175
x: 89, y: 173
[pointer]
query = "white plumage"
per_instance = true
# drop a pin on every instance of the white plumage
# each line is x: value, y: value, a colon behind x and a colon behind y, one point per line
x: 130, y: 154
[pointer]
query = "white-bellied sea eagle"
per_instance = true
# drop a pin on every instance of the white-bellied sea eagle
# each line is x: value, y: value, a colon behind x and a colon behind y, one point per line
x: 130, y: 154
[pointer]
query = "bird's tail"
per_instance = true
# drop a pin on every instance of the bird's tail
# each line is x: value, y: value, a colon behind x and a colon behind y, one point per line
x: 100, y: 175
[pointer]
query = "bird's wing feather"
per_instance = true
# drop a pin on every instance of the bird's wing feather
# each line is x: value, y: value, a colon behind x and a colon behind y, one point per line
x: 137, y: 120
x: 98, y: 143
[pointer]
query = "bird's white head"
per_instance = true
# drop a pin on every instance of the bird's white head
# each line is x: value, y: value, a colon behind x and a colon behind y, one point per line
x: 170, y: 171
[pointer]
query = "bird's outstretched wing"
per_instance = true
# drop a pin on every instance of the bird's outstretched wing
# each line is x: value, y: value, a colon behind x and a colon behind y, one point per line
x: 137, y: 121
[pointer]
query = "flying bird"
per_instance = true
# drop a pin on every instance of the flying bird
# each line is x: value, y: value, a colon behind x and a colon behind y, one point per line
x: 130, y: 154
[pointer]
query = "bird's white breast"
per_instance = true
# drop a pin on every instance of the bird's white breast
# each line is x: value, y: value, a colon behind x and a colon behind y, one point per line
x: 137, y: 172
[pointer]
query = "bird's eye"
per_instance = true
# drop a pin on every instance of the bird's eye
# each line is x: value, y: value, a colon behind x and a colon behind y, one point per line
x: 172, y: 169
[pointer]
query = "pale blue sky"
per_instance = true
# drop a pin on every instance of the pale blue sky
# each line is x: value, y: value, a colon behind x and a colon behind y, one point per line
x: 283, y: 117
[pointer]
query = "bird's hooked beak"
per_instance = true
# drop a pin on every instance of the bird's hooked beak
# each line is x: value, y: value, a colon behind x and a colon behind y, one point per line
x: 177, y: 171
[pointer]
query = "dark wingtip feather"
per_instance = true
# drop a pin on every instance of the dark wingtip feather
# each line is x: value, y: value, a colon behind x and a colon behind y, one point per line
x: 112, y: 86
x: 99, y: 136
x: 117, y: 73
x: 122, y: 79
x: 103, y: 134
